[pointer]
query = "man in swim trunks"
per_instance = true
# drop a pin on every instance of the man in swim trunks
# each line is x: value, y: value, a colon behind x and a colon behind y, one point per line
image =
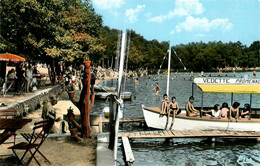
x: 190, y: 110
x: 173, y: 110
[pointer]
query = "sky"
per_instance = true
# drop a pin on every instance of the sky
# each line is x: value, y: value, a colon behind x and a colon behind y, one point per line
x: 184, y: 21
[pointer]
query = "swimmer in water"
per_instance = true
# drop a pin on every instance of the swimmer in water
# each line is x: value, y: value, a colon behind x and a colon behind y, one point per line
x: 157, y: 88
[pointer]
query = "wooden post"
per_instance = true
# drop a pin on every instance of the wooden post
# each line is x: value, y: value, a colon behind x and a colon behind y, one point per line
x: 111, y: 122
x: 83, y: 104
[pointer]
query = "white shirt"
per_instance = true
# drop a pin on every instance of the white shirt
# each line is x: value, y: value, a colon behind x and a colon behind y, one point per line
x: 215, y: 113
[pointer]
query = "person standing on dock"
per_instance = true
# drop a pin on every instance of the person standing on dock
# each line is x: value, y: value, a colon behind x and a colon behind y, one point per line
x: 157, y: 88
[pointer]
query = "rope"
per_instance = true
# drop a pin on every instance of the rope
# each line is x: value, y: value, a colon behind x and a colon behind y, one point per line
x: 162, y: 62
x: 184, y: 67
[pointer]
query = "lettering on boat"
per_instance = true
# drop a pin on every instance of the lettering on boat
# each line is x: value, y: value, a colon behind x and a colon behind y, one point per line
x: 233, y: 81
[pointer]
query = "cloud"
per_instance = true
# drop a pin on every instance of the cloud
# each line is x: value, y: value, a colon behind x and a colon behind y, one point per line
x: 187, y: 7
x: 172, y: 32
x: 203, y: 24
x: 132, y: 14
x: 182, y: 8
x: 108, y: 4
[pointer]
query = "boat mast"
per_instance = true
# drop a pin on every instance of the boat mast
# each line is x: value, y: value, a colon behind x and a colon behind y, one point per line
x: 122, y: 58
x: 169, y: 71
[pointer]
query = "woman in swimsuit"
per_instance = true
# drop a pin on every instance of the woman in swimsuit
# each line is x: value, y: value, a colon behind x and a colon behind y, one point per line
x: 157, y: 88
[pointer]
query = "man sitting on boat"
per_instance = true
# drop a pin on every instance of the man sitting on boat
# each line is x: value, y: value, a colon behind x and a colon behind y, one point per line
x: 173, y: 110
x: 165, y: 103
x: 190, y: 110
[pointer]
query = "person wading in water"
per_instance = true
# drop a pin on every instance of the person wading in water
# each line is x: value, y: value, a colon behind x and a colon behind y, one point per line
x: 157, y: 88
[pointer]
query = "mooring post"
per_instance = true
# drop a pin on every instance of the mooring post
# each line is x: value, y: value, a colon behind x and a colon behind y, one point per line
x: 111, y: 122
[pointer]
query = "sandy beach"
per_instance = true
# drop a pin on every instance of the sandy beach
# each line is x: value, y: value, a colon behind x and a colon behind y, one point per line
x: 61, y: 150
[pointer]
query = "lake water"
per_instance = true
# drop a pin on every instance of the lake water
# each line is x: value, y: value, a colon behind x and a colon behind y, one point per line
x: 182, y: 151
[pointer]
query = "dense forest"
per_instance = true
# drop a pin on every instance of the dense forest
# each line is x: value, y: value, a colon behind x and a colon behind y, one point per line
x: 71, y: 31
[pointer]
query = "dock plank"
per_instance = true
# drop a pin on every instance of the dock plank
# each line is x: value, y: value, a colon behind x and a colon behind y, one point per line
x: 129, y: 156
x: 188, y: 134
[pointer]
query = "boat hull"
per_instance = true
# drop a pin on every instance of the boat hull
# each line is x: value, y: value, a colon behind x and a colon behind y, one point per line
x: 182, y: 122
x: 104, y: 95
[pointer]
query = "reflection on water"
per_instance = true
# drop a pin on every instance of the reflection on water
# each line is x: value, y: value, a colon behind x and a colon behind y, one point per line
x: 182, y: 151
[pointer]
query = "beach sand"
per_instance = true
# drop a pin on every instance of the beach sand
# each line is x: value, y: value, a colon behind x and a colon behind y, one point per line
x: 61, y: 150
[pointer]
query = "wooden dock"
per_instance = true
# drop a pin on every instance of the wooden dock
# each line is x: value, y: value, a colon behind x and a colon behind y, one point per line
x: 189, y: 134
x: 129, y: 120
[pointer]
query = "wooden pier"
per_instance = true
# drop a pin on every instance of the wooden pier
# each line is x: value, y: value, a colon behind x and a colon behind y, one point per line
x: 130, y: 120
x: 189, y: 134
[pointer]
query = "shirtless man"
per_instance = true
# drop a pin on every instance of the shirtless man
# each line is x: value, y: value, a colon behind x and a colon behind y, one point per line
x: 172, y: 111
x: 190, y: 110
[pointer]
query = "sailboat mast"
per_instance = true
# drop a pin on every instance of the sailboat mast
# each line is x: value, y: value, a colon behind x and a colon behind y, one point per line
x: 121, y: 67
x: 169, y: 71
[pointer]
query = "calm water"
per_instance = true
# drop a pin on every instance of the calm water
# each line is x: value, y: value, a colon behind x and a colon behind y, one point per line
x: 182, y: 151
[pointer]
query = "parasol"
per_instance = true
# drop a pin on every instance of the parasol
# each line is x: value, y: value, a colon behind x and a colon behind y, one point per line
x: 7, y: 57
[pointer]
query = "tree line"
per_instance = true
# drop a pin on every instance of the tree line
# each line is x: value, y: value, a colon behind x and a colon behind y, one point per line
x: 71, y: 31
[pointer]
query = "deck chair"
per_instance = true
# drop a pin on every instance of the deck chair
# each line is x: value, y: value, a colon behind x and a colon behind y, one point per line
x: 34, y: 142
